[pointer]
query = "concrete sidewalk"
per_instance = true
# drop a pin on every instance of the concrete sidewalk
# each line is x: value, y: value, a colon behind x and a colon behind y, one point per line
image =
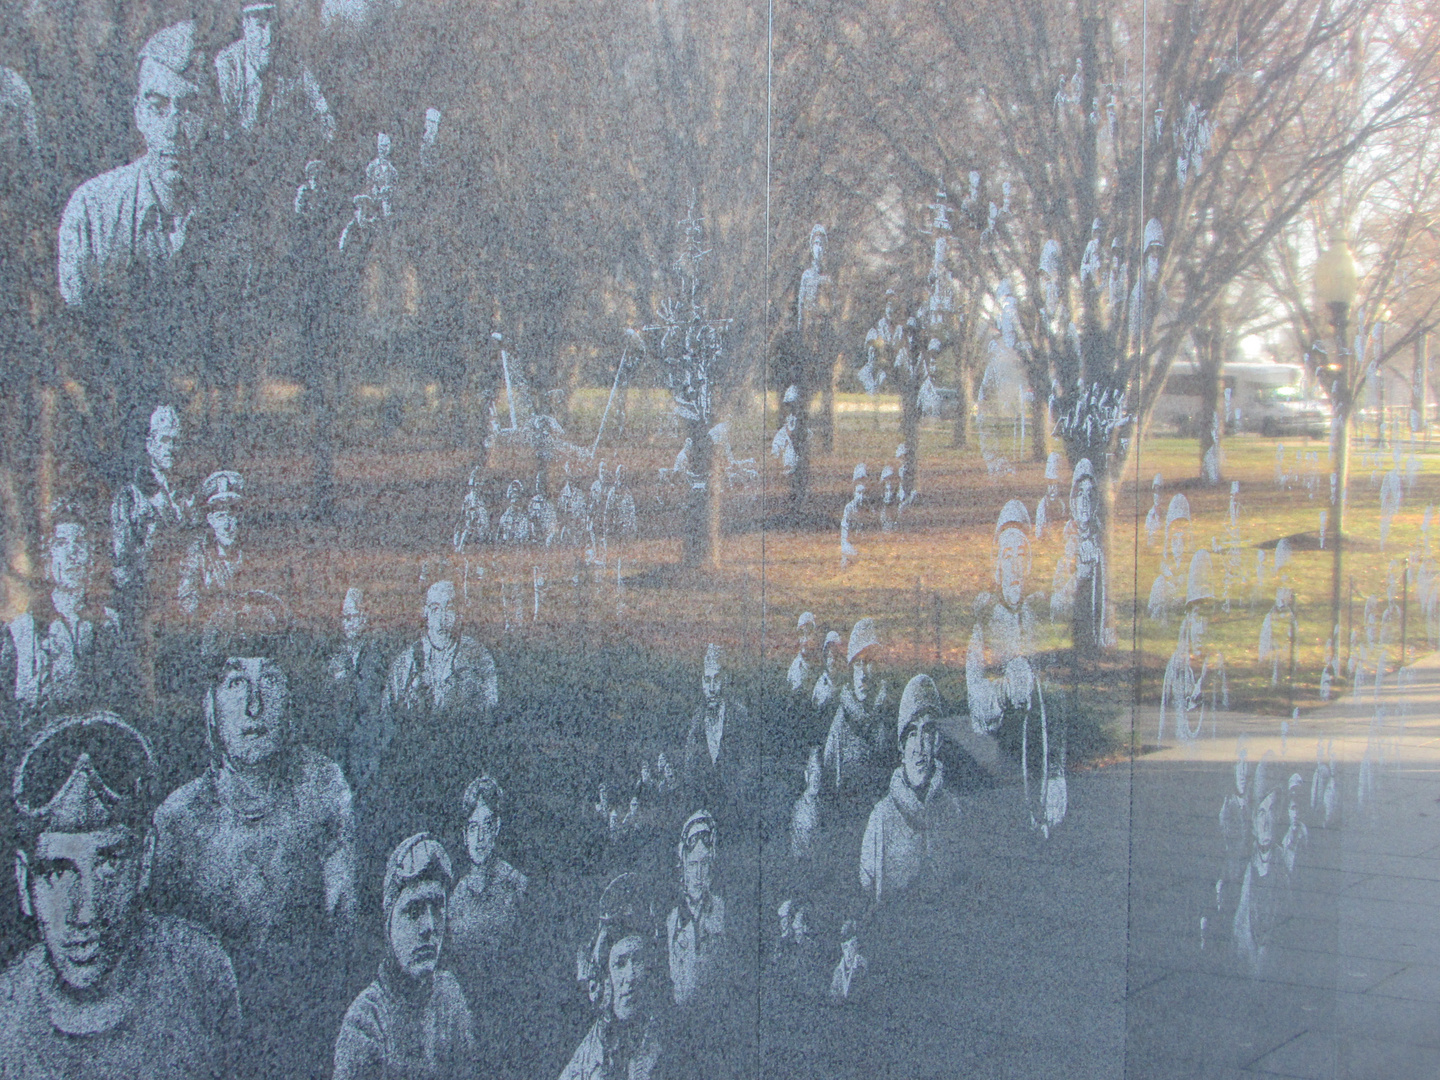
x: 1353, y: 986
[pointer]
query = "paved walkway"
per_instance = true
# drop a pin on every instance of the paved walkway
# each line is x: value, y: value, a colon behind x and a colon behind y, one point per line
x: 1352, y: 988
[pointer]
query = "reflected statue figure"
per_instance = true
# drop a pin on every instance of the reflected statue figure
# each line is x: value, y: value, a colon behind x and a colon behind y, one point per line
x: 624, y: 1042
x: 782, y: 446
x: 1153, y: 524
x: 1081, y: 588
x: 1260, y: 907
x: 913, y: 833
x: 827, y: 685
x: 413, y: 1020
x: 1195, y: 685
x: 1235, y: 834
x: 110, y: 989
x: 805, y: 814
x: 64, y: 652
x: 1050, y: 510
x: 135, y: 218
x: 211, y: 564
x: 856, y: 742
x: 1166, y: 593
x: 850, y: 521
x: 798, y: 675
x: 261, y: 84
x: 1002, y: 685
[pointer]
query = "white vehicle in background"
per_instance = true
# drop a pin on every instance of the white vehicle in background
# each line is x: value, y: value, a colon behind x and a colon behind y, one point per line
x: 1269, y: 398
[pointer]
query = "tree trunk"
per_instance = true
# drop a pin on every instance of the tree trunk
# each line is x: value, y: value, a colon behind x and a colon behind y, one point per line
x: 702, y: 507
x: 1209, y: 422
x: 827, y: 405
x: 1039, y: 428
x: 910, y: 431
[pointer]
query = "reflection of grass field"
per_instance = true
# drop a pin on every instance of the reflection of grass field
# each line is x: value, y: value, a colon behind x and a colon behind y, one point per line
x: 399, y: 501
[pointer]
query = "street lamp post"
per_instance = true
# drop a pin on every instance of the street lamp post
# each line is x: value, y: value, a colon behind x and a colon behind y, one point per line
x: 1336, y: 283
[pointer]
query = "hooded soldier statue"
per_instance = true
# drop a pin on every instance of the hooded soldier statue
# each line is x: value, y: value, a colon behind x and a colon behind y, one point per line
x: 1003, y: 687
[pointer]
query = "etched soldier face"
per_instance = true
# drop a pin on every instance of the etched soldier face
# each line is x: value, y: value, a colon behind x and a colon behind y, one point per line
x: 160, y: 443
x: 249, y: 706
x: 807, y: 637
x: 860, y: 672
x: 480, y: 833
x: 169, y: 115
x: 712, y: 682
x: 1263, y: 825
x: 225, y: 525
x: 82, y: 890
x: 70, y: 555
x: 417, y: 928
x: 1014, y: 554
x: 817, y: 249
x: 627, y: 977
x: 697, y: 861
x: 259, y: 30
x: 353, y: 619
x: 832, y: 662
x: 1082, y: 508
x: 440, y: 613
x: 917, y: 751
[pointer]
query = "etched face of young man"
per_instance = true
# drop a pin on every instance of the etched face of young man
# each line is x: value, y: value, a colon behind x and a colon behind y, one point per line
x: 247, y: 709
x: 1082, y: 507
x: 83, y: 889
x: 697, y: 860
x: 160, y: 443
x: 417, y: 927
x: 626, y: 972
x: 712, y: 680
x: 224, y: 522
x: 259, y: 27
x: 480, y: 832
x: 440, y: 614
x: 917, y: 750
x: 170, y: 117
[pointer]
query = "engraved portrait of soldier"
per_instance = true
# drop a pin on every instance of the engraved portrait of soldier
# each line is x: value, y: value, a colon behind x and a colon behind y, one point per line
x: 65, y: 651
x: 125, y: 230
x: 413, y: 1020
x: 260, y: 847
x: 212, y: 563
x: 621, y: 969
x: 112, y: 988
